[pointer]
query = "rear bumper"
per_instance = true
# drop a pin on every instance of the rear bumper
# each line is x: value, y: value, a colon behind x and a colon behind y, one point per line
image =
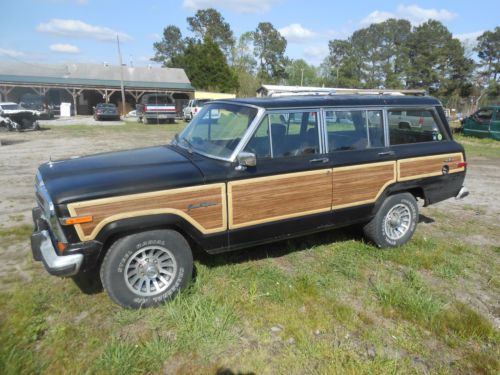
x: 76, y: 258
x: 462, y: 193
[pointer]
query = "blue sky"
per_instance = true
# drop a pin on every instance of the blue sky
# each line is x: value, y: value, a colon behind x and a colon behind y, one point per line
x: 58, y: 31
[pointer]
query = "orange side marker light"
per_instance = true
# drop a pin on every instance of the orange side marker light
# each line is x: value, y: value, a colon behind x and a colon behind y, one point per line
x: 77, y: 220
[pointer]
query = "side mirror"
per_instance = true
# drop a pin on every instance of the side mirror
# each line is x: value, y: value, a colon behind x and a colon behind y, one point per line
x: 246, y: 159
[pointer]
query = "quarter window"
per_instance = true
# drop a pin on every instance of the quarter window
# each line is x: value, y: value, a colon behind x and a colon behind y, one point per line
x: 286, y: 134
x: 354, y: 130
x: 414, y: 126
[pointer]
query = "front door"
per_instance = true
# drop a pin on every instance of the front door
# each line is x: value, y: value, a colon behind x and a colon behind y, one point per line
x: 291, y: 181
x: 478, y: 124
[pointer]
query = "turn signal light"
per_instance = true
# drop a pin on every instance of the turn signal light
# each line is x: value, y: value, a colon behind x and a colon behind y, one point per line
x: 61, y: 246
x: 76, y: 220
x: 462, y: 164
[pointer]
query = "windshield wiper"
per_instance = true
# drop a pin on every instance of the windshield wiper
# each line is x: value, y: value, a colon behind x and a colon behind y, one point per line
x: 190, y: 146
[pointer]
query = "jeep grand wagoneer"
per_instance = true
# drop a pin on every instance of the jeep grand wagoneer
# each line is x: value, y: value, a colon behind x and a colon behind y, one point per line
x: 242, y: 173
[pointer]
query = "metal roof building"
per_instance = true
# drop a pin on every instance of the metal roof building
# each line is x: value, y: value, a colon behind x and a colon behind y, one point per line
x: 88, y: 84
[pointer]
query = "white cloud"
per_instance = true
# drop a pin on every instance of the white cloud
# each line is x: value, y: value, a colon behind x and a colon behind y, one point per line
x: 296, y: 33
x: 413, y: 13
x: 315, y: 54
x: 418, y: 15
x: 77, y: 28
x: 10, y: 52
x: 239, y: 6
x: 377, y: 16
x: 155, y: 36
x: 64, y: 48
x: 83, y: 2
x: 469, y: 37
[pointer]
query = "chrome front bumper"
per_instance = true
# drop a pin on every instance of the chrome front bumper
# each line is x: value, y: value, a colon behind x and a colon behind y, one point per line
x: 43, y: 250
x: 462, y: 193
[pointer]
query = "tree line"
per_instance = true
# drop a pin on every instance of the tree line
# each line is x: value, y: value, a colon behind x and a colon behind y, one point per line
x: 389, y: 55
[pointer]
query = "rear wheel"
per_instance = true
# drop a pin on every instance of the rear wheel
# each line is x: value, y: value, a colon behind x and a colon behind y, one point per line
x: 395, y: 221
x: 147, y: 269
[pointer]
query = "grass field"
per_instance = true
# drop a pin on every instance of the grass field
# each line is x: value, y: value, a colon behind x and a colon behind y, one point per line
x: 323, y: 304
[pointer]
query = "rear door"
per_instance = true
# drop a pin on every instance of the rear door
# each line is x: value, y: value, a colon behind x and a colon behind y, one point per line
x: 362, y: 164
x: 478, y: 124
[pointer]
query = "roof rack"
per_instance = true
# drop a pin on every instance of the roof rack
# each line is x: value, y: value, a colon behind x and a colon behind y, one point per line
x: 277, y: 90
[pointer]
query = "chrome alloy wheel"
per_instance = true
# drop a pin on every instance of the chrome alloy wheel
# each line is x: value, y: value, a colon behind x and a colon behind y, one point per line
x: 150, y: 270
x: 397, y: 221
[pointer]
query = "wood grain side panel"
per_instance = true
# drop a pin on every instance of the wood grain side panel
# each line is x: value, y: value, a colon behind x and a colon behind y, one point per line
x: 428, y: 166
x: 267, y: 199
x: 361, y: 184
x: 208, y: 217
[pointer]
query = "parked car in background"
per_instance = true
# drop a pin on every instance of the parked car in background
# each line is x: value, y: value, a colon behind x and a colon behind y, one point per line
x: 484, y: 123
x: 106, y: 111
x: 36, y: 103
x: 261, y: 170
x: 13, y: 117
x: 156, y: 108
x: 194, y: 106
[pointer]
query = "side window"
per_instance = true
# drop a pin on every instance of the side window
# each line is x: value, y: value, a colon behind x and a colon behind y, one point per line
x: 354, y: 130
x: 414, y: 126
x: 286, y: 134
x: 484, y: 115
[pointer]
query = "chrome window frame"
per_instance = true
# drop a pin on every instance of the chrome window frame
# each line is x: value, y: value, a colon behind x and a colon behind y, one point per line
x: 283, y: 111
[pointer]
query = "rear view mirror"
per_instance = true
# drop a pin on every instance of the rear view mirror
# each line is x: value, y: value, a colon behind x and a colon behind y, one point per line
x: 246, y: 159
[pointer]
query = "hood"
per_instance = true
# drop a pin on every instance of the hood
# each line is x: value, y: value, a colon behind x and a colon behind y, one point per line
x: 118, y: 173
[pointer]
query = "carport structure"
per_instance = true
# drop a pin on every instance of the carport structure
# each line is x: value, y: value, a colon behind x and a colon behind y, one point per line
x: 85, y: 85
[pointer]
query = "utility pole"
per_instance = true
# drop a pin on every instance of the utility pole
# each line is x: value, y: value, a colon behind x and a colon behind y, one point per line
x: 121, y: 75
x: 301, y: 76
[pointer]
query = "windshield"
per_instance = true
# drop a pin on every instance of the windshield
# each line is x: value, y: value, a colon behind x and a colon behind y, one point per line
x: 101, y: 105
x: 217, y: 129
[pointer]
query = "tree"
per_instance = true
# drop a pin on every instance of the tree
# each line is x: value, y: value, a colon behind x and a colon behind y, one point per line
x: 269, y: 48
x: 206, y: 66
x: 209, y: 23
x: 244, y: 65
x: 346, y: 64
x: 488, y: 50
x: 171, y: 46
x: 300, y: 73
x: 437, y: 61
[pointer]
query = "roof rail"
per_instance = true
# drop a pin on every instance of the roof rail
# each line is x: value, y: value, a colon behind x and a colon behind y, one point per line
x: 276, y: 91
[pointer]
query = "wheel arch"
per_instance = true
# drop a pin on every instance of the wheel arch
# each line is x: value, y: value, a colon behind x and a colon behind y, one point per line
x: 124, y: 227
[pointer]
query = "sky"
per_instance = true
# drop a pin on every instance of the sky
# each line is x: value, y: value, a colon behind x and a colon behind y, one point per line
x: 62, y: 31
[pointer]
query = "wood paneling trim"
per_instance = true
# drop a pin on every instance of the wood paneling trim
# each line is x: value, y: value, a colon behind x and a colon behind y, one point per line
x: 266, y: 199
x: 361, y: 184
x: 207, y: 219
x: 428, y: 166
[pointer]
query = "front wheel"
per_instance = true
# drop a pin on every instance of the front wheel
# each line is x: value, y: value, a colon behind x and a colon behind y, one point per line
x: 147, y: 269
x: 395, y: 221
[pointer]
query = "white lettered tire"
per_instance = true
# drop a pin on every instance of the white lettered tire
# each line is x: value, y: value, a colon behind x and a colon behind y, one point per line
x: 395, y: 221
x: 147, y: 269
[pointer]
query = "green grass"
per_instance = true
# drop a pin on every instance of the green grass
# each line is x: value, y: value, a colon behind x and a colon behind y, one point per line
x: 484, y: 147
x: 17, y: 233
x: 330, y: 297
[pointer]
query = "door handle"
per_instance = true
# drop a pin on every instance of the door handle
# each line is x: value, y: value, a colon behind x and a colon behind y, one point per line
x: 386, y: 153
x: 319, y: 160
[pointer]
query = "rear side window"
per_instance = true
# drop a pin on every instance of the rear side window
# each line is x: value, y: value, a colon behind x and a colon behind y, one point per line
x: 414, y: 126
x: 484, y: 115
x: 354, y: 130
